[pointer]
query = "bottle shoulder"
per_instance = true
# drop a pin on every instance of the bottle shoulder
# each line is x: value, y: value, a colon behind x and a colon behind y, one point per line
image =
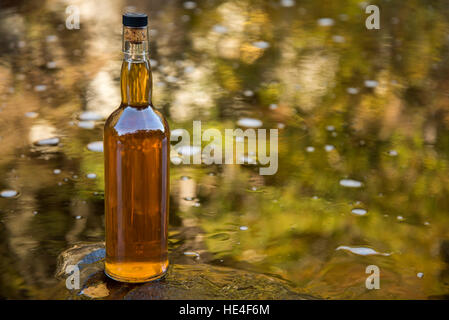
x: 129, y: 120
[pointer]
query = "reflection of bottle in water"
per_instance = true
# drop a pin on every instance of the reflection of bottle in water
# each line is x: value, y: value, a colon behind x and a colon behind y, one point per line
x: 136, y: 149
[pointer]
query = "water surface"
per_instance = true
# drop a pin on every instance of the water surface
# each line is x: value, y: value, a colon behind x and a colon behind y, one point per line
x: 363, y: 117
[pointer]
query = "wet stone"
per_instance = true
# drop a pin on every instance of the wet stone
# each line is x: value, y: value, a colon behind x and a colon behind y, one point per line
x: 190, y: 282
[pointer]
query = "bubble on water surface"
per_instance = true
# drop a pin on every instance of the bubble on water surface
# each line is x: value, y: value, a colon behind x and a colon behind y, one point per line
x: 185, y: 178
x: 326, y: 22
x: 362, y: 251
x: 219, y: 28
x: 51, y: 65
x: 153, y: 63
x: 338, y: 39
x: 310, y: 149
x: 350, y: 183
x: 31, y: 114
x: 400, y: 218
x: 48, y: 142
x: 420, y: 275
x: 371, y: 83
x: 330, y: 128
x: 243, y: 228
x: 261, y: 44
x: 96, y: 146
x: 40, y: 88
x: 171, y: 79
x: 288, y: 3
x: 91, y: 175
x: 249, y: 123
x: 57, y: 171
x: 352, y: 90
x: 8, y: 193
x: 359, y: 211
x: 189, y: 5
x: 329, y: 147
x: 78, y: 217
x: 189, y: 69
x: 273, y: 106
x: 86, y: 124
x: 90, y: 116
x: 248, y: 93
x: 194, y: 254
x: 51, y: 38
x: 392, y: 153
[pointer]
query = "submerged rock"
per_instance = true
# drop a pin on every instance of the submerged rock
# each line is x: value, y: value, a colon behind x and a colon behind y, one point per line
x: 190, y: 282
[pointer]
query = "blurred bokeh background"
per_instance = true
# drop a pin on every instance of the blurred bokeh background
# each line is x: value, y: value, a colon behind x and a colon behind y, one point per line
x: 363, y: 119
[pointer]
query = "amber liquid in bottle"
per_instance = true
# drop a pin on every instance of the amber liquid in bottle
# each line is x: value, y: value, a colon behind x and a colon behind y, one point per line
x: 136, y: 150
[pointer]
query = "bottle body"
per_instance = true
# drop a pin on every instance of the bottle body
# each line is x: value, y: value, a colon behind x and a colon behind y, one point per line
x: 136, y: 153
x: 136, y: 146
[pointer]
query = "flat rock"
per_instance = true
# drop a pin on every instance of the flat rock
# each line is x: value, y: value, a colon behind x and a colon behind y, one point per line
x: 189, y: 282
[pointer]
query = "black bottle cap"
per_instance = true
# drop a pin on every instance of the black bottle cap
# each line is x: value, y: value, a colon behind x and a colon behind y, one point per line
x: 136, y: 20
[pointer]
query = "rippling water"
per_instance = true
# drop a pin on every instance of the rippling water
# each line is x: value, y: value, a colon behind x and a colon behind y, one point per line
x: 363, y: 121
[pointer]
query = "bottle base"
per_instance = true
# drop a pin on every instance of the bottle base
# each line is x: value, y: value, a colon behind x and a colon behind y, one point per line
x: 129, y: 277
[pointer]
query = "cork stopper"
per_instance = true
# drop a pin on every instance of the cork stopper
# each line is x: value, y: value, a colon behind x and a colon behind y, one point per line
x: 135, y: 20
x: 135, y: 35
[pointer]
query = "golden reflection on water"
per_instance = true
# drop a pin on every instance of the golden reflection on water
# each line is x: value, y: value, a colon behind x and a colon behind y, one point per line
x: 369, y: 108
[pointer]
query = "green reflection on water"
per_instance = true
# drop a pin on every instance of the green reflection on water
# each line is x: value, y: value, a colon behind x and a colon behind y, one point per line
x: 379, y: 98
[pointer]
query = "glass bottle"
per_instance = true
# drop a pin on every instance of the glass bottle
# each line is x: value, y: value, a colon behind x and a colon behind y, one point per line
x: 136, y: 153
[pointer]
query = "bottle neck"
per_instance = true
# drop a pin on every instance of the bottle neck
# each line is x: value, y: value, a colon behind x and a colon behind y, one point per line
x: 136, y: 78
